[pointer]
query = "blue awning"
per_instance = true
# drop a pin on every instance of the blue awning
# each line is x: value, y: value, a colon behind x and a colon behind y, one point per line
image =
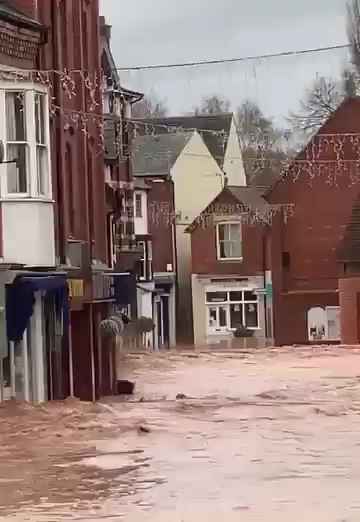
x: 20, y: 300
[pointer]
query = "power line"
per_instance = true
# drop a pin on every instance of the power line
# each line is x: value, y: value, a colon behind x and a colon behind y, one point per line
x: 233, y: 60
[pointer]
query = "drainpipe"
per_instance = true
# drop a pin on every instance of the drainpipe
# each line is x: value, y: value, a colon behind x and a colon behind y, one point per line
x: 92, y: 354
x: 71, y: 367
x: 59, y: 140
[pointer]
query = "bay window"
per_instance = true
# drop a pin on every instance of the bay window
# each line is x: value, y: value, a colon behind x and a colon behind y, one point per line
x: 25, y: 133
x: 228, y: 237
x: 229, y: 310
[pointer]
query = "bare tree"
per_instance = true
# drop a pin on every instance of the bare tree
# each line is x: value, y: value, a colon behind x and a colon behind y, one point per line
x: 261, y: 142
x: 150, y: 107
x: 254, y: 128
x: 320, y: 101
x: 353, y: 30
x: 212, y: 105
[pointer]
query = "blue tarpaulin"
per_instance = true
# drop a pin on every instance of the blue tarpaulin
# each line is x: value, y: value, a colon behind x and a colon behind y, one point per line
x: 20, y: 301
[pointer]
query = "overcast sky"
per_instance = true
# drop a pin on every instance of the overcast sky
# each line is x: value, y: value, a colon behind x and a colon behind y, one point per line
x: 147, y: 32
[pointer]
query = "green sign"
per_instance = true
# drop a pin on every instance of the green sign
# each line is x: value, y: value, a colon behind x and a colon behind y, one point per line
x: 269, y: 290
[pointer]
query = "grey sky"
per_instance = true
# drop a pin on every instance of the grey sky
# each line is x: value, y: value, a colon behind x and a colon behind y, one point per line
x: 162, y: 31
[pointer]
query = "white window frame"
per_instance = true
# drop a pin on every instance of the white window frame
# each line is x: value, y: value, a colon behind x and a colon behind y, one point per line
x: 226, y: 304
x: 138, y: 196
x: 218, y: 249
x: 323, y: 326
x: 30, y: 90
x: 143, y: 260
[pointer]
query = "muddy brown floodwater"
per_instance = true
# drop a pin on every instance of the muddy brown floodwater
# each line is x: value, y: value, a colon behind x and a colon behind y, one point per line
x: 266, y: 436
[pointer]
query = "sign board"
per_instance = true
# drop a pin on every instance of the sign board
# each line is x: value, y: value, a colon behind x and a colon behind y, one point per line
x: 269, y: 290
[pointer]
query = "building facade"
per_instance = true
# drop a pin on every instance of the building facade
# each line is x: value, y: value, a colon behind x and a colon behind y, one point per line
x: 34, y: 304
x: 196, y: 157
x: 321, y: 185
x: 229, y: 268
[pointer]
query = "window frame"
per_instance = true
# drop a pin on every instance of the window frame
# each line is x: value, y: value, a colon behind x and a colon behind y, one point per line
x: 30, y: 90
x: 138, y: 197
x: 143, y: 260
x: 218, y: 241
x: 228, y: 303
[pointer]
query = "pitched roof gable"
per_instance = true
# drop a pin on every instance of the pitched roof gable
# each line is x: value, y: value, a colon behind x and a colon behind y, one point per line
x: 337, y: 123
x: 250, y: 198
x: 156, y: 155
x: 215, y: 122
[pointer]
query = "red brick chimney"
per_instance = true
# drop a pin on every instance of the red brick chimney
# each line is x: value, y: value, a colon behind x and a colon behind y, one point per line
x: 28, y: 7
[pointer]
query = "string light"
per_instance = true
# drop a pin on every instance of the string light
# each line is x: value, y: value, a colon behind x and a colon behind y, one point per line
x: 162, y: 213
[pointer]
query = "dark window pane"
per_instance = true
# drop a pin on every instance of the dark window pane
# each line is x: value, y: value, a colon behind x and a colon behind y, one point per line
x: 213, y: 317
x: 222, y: 317
x: 138, y: 206
x: 250, y: 296
x: 236, y: 296
x: 222, y: 232
x: 16, y: 174
x: 236, y: 315
x: 40, y: 118
x: 15, y: 116
x: 216, y: 297
x: 251, y: 315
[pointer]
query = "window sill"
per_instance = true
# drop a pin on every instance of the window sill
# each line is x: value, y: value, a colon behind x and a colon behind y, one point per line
x: 26, y: 199
x: 230, y: 259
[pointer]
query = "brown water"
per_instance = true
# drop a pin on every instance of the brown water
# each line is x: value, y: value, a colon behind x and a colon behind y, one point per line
x: 268, y: 436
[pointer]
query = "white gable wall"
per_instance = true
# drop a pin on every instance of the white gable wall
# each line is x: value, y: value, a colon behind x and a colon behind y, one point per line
x: 233, y: 162
x: 198, y: 179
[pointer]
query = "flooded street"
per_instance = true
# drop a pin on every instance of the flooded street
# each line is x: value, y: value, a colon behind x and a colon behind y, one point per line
x: 271, y: 435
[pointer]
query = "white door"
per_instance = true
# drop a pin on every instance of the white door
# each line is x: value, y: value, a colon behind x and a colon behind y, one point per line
x: 217, y: 319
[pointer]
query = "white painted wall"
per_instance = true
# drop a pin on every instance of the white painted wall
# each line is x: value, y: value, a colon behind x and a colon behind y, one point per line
x: 200, y: 286
x: 145, y: 306
x: 28, y: 232
x: 233, y: 161
x: 197, y: 179
x: 141, y: 224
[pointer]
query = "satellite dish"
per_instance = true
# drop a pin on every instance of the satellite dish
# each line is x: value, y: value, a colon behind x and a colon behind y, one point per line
x: 2, y: 151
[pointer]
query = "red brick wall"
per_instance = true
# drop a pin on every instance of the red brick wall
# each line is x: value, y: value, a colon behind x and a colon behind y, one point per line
x: 311, y: 237
x: 204, y: 250
x: 161, y: 211
x: 349, y: 289
x: 73, y: 42
x: 27, y: 7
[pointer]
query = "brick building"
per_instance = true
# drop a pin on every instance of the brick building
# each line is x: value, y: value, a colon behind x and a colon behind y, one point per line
x: 321, y: 184
x: 230, y: 275
x: 349, y: 282
x: 66, y: 201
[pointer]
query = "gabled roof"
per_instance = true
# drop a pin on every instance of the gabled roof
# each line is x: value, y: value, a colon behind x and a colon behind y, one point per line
x: 11, y: 14
x: 251, y: 200
x: 156, y: 155
x: 342, y: 127
x: 265, y: 177
x: 349, y: 248
x: 214, y: 122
